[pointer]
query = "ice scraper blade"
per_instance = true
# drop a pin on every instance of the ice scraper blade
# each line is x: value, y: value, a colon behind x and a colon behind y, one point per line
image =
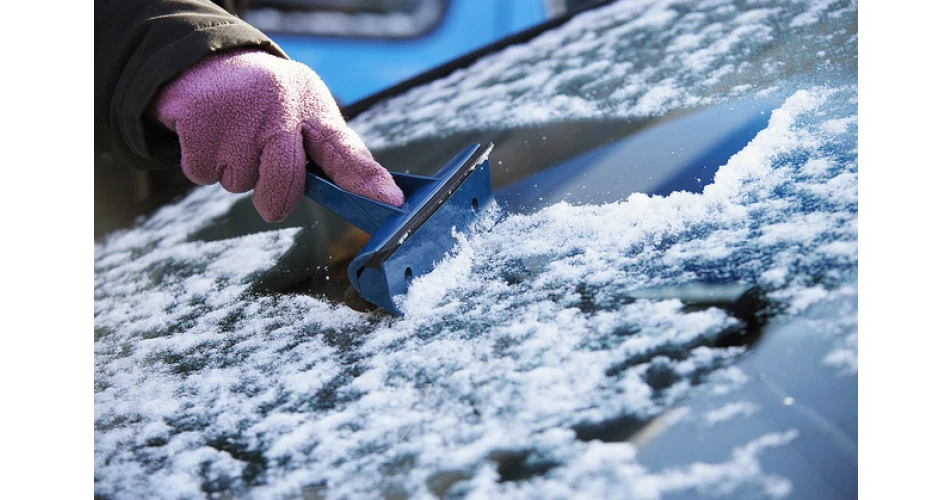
x: 407, y: 242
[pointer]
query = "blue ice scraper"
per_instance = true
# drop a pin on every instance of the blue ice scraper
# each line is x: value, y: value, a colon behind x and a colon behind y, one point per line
x: 407, y: 242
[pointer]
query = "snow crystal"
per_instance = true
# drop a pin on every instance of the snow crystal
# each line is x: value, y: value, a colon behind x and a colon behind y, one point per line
x: 839, y: 125
x: 729, y: 411
x: 723, y: 479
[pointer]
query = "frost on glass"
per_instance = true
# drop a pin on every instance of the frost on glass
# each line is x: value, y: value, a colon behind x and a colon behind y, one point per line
x: 631, y: 59
x: 529, y: 340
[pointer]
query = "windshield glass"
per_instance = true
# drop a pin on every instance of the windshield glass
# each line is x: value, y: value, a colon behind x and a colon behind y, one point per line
x: 627, y: 64
x: 225, y: 361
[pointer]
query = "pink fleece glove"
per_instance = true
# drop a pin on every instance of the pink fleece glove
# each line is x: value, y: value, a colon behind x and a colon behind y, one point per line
x: 246, y: 119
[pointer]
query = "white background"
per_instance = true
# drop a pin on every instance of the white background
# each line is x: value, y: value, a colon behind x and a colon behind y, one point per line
x: 904, y: 253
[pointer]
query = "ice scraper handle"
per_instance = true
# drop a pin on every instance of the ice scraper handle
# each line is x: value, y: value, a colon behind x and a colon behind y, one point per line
x: 361, y: 211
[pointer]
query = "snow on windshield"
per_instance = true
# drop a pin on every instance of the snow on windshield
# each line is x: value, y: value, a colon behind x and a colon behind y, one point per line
x: 513, y: 351
x: 630, y: 59
x: 200, y: 386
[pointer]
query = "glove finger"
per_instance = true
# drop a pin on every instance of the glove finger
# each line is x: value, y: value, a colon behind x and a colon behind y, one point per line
x: 239, y: 168
x: 346, y: 160
x: 199, y: 158
x: 281, y: 177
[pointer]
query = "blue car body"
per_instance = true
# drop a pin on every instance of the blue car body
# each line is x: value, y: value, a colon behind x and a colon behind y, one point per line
x: 354, y: 67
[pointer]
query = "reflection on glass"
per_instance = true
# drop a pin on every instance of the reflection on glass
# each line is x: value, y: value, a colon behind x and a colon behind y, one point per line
x: 358, y: 18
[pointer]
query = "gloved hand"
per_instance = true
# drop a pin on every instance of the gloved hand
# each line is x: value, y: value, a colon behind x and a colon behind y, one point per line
x: 246, y: 118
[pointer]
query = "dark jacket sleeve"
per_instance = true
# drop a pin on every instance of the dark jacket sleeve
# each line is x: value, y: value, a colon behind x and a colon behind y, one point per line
x: 141, y: 45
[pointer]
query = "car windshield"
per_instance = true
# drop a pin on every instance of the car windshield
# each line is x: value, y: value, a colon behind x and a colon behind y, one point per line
x: 620, y: 69
x: 226, y: 362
